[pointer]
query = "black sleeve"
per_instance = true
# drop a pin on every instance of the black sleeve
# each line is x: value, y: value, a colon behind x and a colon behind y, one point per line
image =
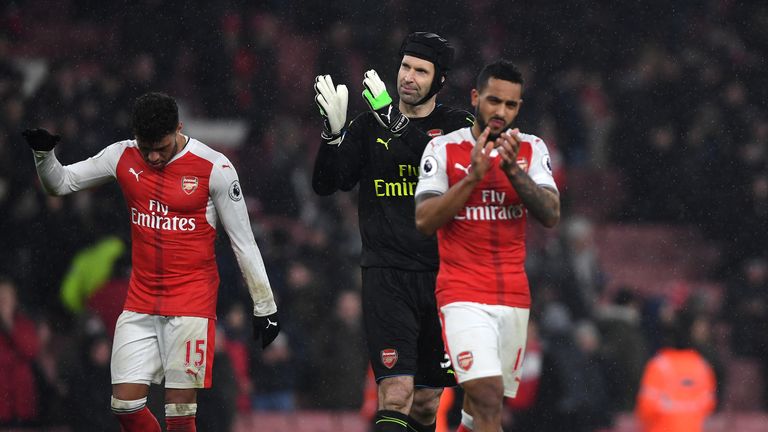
x: 351, y: 154
x: 326, y: 167
x: 338, y: 167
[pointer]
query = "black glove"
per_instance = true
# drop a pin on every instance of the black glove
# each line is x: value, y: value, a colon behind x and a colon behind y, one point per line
x: 40, y: 139
x: 266, y: 328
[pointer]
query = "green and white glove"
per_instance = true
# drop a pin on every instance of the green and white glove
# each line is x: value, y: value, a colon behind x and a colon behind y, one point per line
x: 332, y: 102
x: 380, y: 103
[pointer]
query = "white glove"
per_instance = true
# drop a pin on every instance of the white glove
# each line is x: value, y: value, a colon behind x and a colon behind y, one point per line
x: 380, y: 103
x: 332, y: 102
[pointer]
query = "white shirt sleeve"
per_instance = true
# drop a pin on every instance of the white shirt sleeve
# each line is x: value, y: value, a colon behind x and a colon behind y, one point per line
x: 433, y: 177
x: 230, y: 206
x: 540, y: 170
x: 62, y: 180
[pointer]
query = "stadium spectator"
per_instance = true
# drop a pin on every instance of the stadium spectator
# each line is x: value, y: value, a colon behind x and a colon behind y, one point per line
x: 276, y: 391
x: 573, y: 388
x: 703, y: 342
x: 237, y: 348
x: 677, y: 392
x: 746, y: 308
x: 89, y: 408
x: 624, y: 347
x: 52, y: 385
x: 340, y: 358
x: 18, y: 347
x: 583, y: 280
x: 218, y: 404
x: 521, y: 406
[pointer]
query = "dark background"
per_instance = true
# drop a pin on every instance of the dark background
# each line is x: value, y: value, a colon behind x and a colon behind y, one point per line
x: 655, y: 114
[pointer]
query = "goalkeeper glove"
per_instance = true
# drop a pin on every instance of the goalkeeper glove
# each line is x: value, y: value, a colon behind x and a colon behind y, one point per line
x: 332, y: 102
x: 380, y: 103
x: 266, y: 328
x: 40, y: 139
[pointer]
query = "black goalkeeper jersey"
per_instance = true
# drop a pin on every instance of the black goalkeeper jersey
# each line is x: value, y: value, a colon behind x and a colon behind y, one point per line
x: 387, y: 169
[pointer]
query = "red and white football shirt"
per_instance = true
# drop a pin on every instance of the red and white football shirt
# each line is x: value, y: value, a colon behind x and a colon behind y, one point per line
x: 482, y: 250
x: 173, y: 213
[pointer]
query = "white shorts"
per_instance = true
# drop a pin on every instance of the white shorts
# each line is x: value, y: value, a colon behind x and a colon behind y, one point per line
x: 486, y: 340
x: 147, y: 348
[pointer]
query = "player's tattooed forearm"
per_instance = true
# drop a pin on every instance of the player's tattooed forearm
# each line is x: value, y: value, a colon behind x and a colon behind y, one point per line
x: 542, y: 203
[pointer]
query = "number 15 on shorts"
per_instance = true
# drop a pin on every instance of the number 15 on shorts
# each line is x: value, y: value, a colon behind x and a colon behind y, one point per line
x: 195, y: 352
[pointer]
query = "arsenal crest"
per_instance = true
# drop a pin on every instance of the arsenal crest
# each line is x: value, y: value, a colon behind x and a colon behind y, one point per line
x: 465, y: 360
x: 189, y: 184
x: 389, y: 357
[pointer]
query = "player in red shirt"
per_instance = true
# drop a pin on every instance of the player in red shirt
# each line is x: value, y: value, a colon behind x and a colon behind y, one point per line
x: 476, y: 187
x: 176, y: 189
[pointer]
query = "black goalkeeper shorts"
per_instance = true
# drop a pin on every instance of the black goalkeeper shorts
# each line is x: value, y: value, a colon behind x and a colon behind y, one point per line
x: 402, y: 327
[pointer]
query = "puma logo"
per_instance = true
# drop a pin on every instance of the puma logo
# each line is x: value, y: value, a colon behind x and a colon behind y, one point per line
x: 191, y: 372
x: 462, y: 168
x: 386, y: 143
x: 271, y: 323
x: 388, y: 115
x: 132, y: 171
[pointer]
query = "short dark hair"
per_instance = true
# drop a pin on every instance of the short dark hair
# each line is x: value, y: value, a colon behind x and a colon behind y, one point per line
x: 6, y: 280
x: 677, y: 332
x: 154, y: 116
x: 501, y: 69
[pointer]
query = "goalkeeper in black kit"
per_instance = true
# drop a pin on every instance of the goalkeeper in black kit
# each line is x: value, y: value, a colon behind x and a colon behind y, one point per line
x: 381, y: 150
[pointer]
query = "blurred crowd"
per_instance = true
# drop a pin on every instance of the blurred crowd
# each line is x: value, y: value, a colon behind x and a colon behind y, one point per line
x: 670, y: 98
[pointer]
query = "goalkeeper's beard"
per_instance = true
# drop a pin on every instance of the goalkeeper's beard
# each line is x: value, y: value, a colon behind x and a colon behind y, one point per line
x: 410, y: 101
x: 415, y: 99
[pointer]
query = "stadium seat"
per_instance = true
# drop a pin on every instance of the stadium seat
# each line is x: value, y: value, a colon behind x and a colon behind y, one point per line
x: 594, y: 193
x: 744, y: 385
x: 651, y: 257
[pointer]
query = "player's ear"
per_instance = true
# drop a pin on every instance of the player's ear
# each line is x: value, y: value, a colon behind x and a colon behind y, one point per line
x: 179, y: 126
x: 475, y: 96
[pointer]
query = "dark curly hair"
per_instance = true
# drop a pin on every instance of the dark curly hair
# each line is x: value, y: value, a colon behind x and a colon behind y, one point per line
x: 503, y: 70
x: 154, y: 116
